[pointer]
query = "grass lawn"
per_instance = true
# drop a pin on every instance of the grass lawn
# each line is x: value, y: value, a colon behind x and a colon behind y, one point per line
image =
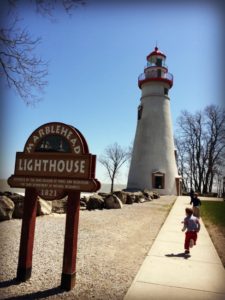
x: 213, y: 216
x: 214, y: 212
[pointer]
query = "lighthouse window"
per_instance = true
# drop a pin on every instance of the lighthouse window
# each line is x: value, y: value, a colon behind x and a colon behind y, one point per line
x: 159, y: 62
x: 166, y: 91
x: 140, y: 108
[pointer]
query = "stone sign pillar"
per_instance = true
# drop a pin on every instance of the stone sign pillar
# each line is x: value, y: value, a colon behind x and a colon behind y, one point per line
x: 55, y: 163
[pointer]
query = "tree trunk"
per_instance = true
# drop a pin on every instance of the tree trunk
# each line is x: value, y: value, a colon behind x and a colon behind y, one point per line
x: 112, y: 185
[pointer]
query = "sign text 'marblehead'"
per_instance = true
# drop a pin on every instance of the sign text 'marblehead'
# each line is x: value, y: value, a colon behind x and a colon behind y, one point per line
x: 54, y: 129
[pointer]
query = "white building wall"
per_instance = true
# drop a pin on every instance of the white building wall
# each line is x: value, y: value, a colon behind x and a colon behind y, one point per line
x: 153, y: 148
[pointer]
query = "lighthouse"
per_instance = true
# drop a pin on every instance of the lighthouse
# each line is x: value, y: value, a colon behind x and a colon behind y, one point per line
x: 153, y: 163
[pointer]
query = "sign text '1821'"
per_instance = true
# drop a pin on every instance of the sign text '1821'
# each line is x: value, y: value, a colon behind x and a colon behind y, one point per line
x: 48, y: 193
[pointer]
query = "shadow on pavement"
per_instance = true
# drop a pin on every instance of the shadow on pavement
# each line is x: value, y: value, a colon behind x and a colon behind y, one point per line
x: 183, y: 255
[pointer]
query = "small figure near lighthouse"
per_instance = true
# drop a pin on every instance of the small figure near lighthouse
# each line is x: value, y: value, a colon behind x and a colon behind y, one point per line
x: 153, y: 164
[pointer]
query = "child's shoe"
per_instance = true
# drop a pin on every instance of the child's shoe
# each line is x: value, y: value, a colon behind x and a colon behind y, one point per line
x: 191, y: 243
x: 186, y: 251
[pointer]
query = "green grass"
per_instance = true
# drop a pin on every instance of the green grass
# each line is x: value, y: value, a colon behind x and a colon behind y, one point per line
x: 213, y: 212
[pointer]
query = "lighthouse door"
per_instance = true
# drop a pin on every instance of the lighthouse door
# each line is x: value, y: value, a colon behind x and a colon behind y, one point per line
x: 158, y: 180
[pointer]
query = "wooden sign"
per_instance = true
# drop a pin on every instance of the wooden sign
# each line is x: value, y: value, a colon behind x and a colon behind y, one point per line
x: 53, y: 154
x: 55, y: 163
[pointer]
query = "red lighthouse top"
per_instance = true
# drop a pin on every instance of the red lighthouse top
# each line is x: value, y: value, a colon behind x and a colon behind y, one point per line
x: 156, y: 52
x: 156, y: 70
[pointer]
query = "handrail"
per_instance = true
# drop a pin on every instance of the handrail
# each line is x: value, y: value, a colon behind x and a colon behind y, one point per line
x: 151, y: 64
x: 144, y: 76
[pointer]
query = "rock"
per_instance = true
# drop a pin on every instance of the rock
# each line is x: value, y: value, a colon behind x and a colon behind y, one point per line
x: 83, y: 202
x: 84, y: 199
x: 83, y: 205
x: 43, y: 207
x: 139, y: 197
x: 113, y: 202
x: 130, y: 198
x: 95, y: 202
x: 6, y: 208
x: 6, y: 193
x: 142, y: 200
x: 59, y: 206
x: 121, y: 195
x: 19, y: 203
x: 103, y: 195
x: 156, y: 195
x: 148, y: 195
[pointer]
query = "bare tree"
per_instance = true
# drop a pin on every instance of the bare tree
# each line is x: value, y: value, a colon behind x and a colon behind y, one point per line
x: 201, y: 147
x: 215, y: 132
x: 20, y: 67
x: 181, y: 163
x: 113, y: 158
x: 189, y: 144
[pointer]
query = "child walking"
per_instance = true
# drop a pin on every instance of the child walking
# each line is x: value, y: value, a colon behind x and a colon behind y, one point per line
x: 196, y: 202
x: 192, y: 227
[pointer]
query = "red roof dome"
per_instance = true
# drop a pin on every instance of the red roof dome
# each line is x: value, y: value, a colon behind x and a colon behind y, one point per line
x: 156, y: 52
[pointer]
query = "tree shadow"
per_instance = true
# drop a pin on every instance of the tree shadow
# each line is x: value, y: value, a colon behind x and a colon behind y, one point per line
x: 36, y: 295
x: 182, y: 254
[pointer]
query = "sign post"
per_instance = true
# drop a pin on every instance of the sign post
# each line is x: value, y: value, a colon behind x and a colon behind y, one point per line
x: 27, y: 235
x: 70, y: 245
x: 55, y: 163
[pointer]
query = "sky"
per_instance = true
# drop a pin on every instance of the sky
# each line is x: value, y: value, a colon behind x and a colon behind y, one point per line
x: 95, y: 57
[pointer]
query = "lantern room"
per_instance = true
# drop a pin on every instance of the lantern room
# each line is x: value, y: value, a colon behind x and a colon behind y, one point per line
x: 156, y: 69
x: 156, y: 58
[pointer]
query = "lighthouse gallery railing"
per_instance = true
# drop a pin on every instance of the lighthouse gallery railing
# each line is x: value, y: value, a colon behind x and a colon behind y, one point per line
x: 149, y: 75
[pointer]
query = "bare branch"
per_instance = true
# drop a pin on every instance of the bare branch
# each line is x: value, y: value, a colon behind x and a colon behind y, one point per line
x: 21, y: 69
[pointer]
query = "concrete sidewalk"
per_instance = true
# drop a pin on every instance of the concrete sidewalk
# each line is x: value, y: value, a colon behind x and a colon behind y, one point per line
x: 167, y: 273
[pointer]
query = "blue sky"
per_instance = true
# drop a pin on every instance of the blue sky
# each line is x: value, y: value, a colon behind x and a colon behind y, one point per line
x: 95, y: 57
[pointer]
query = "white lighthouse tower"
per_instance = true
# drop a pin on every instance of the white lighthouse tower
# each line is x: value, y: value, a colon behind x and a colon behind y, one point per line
x: 153, y: 164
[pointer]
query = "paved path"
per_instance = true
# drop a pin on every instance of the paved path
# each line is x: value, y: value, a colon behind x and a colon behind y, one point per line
x: 167, y: 274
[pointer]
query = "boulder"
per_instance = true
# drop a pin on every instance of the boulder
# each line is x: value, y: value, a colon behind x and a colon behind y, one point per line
x: 6, y: 208
x: 83, y: 202
x: 6, y: 193
x: 103, y: 195
x: 19, y: 203
x: 156, y: 195
x: 148, y: 195
x: 139, y: 197
x: 43, y: 207
x: 121, y: 195
x: 142, y: 200
x: 59, y: 206
x: 95, y: 202
x: 130, y: 198
x: 113, y: 202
